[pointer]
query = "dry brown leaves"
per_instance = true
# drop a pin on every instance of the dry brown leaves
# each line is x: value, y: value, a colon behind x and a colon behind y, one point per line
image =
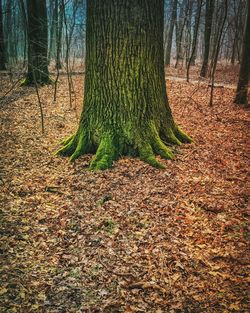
x: 133, y: 238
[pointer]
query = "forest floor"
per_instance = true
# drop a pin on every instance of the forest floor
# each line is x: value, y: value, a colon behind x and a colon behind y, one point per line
x: 132, y: 238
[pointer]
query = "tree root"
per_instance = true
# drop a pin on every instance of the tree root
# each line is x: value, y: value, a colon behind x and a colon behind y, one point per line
x: 28, y: 82
x: 105, y: 154
x: 111, y: 146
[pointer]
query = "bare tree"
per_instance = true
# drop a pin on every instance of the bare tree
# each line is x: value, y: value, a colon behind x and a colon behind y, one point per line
x: 241, y: 92
x: 37, y: 43
x: 207, y: 35
x: 170, y: 33
x: 2, y: 45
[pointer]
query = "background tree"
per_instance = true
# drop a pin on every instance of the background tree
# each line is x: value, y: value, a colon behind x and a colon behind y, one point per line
x: 126, y: 108
x: 195, y: 36
x: 241, y: 92
x: 170, y: 32
x: 2, y: 47
x: 37, y: 43
x: 195, y: 31
x: 179, y: 30
x: 207, y: 35
x: 59, y: 27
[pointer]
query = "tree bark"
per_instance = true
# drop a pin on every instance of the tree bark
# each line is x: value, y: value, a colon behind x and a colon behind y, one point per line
x: 180, y: 25
x: 59, y: 26
x: 194, y: 41
x: 126, y: 110
x: 170, y: 33
x: 37, y: 43
x: 24, y: 25
x: 195, y: 32
x: 208, y: 28
x: 52, y: 30
x: 2, y: 46
x: 241, y: 92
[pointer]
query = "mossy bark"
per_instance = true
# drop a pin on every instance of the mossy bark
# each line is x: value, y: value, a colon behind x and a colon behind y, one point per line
x: 37, y: 43
x: 126, y: 110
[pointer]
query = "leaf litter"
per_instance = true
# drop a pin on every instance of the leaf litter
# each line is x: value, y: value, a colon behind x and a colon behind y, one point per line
x: 131, y: 238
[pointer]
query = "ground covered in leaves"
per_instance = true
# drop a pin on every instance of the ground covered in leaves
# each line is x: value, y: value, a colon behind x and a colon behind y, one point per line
x: 132, y: 238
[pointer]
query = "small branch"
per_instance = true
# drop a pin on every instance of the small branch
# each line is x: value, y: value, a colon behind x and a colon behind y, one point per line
x: 12, y: 87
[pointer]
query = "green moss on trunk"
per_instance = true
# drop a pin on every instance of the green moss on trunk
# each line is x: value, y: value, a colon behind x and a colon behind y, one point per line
x: 126, y: 110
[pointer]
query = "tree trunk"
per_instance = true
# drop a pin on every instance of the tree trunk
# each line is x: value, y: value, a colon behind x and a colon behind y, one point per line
x: 188, y: 31
x: 23, y: 17
x: 195, y: 32
x: 52, y: 31
x: 194, y: 41
x: 37, y: 43
x: 180, y: 25
x: 59, y: 26
x: 241, y: 92
x: 126, y: 110
x: 170, y: 33
x: 208, y: 28
x: 2, y: 47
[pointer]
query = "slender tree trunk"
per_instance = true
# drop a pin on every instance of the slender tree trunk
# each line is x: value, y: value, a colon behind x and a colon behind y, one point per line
x: 126, y: 108
x: 232, y: 60
x: 241, y: 92
x: 170, y: 33
x: 218, y: 20
x: 195, y: 32
x: 194, y: 42
x: 188, y: 31
x: 2, y: 43
x: 52, y: 37
x: 59, y: 27
x: 208, y: 28
x: 8, y: 32
x: 37, y: 43
x: 24, y: 24
x: 217, y: 50
x: 180, y: 25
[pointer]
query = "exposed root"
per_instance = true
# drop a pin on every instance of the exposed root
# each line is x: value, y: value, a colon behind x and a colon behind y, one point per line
x: 29, y: 82
x: 161, y: 149
x: 66, y: 140
x: 146, y: 146
x: 170, y: 137
x: 182, y: 136
x: 81, y: 146
x: 69, y: 147
x: 146, y: 154
x: 105, y: 154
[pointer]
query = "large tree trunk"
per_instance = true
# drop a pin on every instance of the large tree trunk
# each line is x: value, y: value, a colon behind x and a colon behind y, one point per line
x: 241, y: 92
x: 126, y: 110
x: 207, y: 35
x: 37, y: 43
x: 2, y: 47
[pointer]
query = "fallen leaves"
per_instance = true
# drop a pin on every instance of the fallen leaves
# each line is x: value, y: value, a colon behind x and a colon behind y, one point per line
x: 132, y: 238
